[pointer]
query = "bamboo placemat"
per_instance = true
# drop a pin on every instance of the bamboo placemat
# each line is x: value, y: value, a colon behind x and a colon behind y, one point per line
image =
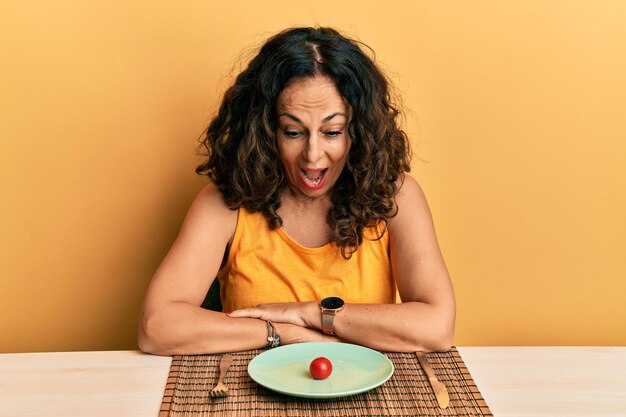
x: 406, y: 393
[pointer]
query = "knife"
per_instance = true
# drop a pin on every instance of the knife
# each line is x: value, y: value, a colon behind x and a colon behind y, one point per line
x: 440, y: 390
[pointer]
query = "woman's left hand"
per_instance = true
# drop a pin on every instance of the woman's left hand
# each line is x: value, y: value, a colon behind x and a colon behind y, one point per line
x: 305, y: 314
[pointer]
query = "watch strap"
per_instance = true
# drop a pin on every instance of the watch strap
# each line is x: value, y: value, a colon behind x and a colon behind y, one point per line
x: 328, y: 322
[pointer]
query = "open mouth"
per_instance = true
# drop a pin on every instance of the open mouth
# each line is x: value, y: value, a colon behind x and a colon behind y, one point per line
x: 314, y: 178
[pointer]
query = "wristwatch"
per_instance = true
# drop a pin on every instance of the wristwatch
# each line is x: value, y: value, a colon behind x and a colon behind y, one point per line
x: 330, y: 306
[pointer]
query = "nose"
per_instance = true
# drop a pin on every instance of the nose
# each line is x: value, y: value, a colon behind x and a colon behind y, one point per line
x: 314, y: 148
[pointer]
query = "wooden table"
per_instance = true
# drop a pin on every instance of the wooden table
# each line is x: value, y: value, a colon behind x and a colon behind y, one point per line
x: 515, y: 381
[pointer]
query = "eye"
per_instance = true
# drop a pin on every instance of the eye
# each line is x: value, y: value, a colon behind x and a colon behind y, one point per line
x: 333, y: 133
x: 292, y: 133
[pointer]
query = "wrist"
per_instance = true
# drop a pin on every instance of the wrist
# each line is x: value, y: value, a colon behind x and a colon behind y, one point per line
x: 312, y: 316
x: 273, y: 338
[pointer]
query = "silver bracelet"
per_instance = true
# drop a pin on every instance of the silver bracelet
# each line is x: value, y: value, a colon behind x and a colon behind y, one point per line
x: 273, y: 338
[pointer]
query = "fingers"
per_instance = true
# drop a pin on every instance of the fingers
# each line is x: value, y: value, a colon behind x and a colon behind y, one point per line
x: 263, y: 313
x: 254, y: 313
x: 290, y: 334
x: 275, y: 313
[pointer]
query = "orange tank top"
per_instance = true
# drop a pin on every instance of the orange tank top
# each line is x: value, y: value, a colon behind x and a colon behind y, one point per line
x: 266, y: 266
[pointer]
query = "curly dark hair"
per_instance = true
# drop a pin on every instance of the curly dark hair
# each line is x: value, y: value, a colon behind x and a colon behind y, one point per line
x: 240, y: 142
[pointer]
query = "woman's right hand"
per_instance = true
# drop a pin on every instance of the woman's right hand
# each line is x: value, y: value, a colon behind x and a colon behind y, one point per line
x: 291, y: 333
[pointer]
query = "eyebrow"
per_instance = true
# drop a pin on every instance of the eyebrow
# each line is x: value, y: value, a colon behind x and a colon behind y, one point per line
x: 325, y: 120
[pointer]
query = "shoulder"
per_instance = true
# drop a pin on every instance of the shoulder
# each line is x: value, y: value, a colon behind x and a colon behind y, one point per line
x: 209, y: 200
x: 410, y: 203
x: 209, y: 211
x: 210, y: 195
x: 409, y: 187
x: 409, y: 192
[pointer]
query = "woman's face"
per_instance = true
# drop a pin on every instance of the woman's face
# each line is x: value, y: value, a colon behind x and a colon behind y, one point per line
x: 312, y: 135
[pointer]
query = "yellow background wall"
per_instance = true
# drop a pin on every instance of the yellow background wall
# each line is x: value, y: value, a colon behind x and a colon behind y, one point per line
x: 516, y: 109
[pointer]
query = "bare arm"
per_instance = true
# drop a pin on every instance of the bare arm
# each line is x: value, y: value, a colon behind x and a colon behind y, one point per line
x: 425, y: 318
x: 172, y: 321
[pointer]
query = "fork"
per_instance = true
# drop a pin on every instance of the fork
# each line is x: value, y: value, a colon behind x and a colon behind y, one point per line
x: 221, y: 390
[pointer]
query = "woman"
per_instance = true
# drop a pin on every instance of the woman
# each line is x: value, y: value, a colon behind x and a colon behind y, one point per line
x: 309, y: 222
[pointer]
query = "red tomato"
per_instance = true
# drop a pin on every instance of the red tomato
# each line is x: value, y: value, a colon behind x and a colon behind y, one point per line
x: 321, y: 368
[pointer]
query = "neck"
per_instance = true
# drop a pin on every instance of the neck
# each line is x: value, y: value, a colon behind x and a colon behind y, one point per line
x: 300, y: 201
x: 302, y: 205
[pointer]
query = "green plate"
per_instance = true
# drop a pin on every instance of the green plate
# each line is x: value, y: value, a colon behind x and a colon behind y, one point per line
x: 285, y: 369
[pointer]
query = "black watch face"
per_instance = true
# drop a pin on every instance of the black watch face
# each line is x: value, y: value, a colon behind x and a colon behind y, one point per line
x: 332, y: 303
